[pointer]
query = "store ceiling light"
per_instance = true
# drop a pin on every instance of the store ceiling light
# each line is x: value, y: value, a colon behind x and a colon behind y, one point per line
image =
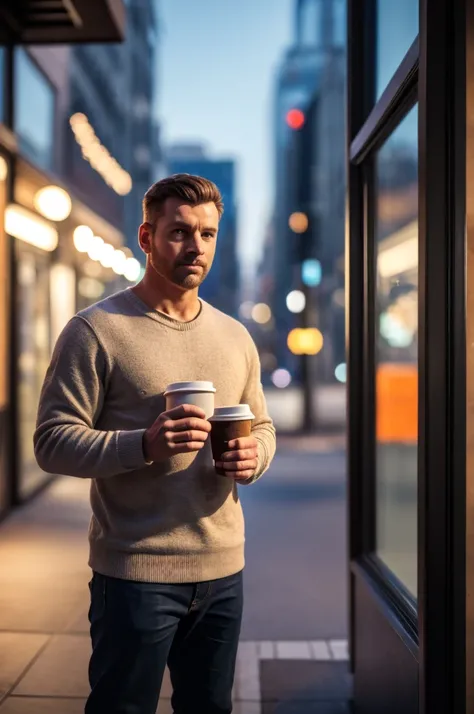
x: 97, y: 155
x: 83, y: 237
x: 107, y: 255
x: 132, y: 269
x: 53, y: 203
x: 95, y: 250
x: 3, y: 169
x: 30, y: 228
x: 119, y: 262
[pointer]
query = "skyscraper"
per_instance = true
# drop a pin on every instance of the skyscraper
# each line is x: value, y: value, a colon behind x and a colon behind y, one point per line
x: 222, y: 284
x: 113, y: 86
x: 319, y: 29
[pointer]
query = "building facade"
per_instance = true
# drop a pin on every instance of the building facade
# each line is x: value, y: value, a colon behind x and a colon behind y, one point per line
x: 222, y: 285
x: 41, y: 264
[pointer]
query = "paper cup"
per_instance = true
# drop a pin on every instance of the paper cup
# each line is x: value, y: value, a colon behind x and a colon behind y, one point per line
x: 229, y: 423
x: 201, y: 394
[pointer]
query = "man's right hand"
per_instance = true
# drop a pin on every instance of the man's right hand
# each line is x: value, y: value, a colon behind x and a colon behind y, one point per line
x: 178, y: 431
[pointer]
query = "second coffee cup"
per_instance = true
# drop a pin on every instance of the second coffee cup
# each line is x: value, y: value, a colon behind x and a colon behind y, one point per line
x: 229, y: 423
x: 200, y: 394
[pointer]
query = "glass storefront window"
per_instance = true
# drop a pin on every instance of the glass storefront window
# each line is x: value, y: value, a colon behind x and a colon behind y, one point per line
x: 396, y: 377
x: 397, y: 28
x: 34, y: 111
x: 34, y: 355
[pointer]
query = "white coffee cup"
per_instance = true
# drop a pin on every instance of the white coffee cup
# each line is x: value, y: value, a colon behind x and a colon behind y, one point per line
x: 201, y: 394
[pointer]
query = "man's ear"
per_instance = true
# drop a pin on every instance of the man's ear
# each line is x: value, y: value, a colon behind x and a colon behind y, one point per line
x: 145, y: 236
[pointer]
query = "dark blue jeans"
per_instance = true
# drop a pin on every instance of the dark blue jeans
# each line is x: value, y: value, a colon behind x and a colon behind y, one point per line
x: 138, y: 628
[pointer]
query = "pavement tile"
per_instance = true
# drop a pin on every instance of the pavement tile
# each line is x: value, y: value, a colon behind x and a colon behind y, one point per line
x: 305, y: 708
x: 293, y: 650
x: 17, y: 650
x: 34, y: 705
x: 35, y: 608
x: 304, y: 680
x: 61, y: 669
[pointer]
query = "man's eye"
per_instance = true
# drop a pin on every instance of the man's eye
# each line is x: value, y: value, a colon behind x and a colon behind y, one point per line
x: 178, y: 232
x: 208, y: 235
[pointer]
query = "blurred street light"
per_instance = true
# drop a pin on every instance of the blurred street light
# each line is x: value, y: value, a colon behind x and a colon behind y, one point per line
x: 341, y: 372
x: 261, y: 313
x: 281, y: 378
x: 305, y: 341
x: 298, y: 222
x: 245, y: 310
x: 107, y: 255
x: 311, y: 273
x: 296, y: 301
x: 53, y: 203
x: 295, y: 119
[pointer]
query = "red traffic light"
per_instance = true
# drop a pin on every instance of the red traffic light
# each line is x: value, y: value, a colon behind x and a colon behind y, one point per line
x: 295, y: 119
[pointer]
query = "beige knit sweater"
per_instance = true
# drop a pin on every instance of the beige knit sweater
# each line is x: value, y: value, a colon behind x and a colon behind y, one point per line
x: 175, y: 521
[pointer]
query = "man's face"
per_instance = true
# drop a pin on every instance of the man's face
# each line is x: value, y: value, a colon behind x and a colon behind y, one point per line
x: 182, y: 245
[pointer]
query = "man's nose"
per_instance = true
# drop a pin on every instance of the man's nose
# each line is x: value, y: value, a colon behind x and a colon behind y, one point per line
x: 197, y: 244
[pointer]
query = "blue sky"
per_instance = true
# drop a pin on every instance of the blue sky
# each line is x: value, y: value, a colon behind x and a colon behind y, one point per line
x: 217, y: 62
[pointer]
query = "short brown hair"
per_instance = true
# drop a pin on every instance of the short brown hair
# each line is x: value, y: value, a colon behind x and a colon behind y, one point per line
x: 191, y: 189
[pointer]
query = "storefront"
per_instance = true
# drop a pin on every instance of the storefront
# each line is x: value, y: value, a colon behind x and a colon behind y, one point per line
x: 409, y: 273
x: 40, y: 266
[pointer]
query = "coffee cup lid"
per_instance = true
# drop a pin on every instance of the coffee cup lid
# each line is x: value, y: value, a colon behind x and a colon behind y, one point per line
x: 235, y: 413
x: 190, y: 387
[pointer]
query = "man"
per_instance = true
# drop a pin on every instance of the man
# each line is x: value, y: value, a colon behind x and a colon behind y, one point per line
x: 167, y: 532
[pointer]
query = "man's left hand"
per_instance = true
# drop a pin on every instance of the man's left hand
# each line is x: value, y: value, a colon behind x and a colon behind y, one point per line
x: 240, y: 462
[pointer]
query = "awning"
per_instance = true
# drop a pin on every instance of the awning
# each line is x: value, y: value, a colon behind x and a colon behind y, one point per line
x: 61, y: 21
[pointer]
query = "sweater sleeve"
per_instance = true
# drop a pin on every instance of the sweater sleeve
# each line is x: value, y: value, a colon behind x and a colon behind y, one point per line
x: 66, y: 440
x: 262, y: 428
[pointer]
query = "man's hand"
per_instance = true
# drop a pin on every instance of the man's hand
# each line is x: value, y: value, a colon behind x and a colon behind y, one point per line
x: 240, y: 462
x: 178, y: 431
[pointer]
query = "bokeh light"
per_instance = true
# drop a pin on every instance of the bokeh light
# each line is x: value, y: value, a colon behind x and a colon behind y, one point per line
x: 296, y: 301
x: 281, y: 378
x: 311, y: 273
x: 305, y: 341
x: 261, y: 313
x: 295, y: 119
x: 341, y: 372
x: 298, y: 222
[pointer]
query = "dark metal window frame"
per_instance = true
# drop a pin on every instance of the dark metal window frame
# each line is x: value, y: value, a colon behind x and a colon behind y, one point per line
x: 433, y: 71
x: 368, y: 127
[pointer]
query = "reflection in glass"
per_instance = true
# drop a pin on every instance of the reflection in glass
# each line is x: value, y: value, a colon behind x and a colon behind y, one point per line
x: 34, y: 111
x: 397, y: 28
x: 397, y: 352
x: 34, y: 356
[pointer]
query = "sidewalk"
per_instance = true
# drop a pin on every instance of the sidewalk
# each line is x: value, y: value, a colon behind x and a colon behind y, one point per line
x: 44, y: 640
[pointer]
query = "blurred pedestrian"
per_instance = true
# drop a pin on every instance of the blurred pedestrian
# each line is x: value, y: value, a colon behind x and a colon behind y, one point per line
x: 167, y: 532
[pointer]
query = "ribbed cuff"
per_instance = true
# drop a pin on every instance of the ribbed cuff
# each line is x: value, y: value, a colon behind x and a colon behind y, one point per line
x: 130, y: 449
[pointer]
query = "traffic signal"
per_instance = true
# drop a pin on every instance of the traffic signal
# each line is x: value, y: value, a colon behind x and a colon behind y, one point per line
x: 295, y: 119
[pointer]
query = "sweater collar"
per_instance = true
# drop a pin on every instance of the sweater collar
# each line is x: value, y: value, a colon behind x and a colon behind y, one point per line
x: 164, y: 319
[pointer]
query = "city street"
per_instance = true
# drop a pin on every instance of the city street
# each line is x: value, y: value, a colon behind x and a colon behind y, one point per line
x: 295, y: 592
x: 296, y: 547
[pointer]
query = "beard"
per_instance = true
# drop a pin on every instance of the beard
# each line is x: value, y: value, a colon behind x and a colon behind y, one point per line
x: 179, y: 273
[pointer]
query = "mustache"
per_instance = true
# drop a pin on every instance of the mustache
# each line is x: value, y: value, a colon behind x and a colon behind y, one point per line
x: 192, y: 262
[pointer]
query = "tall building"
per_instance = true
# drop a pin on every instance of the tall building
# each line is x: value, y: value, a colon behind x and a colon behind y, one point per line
x: 113, y: 86
x: 319, y: 30
x: 221, y: 287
